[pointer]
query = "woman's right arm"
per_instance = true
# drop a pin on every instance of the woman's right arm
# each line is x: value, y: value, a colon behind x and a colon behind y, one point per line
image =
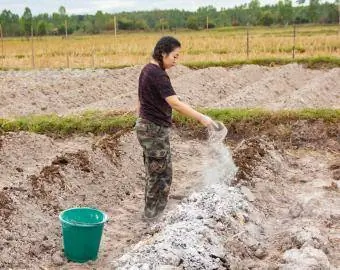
x: 186, y: 110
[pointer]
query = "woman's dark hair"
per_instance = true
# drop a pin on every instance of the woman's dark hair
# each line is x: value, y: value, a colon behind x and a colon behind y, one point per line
x: 165, y: 45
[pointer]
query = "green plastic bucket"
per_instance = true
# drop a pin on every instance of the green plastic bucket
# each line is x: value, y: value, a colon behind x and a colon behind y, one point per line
x: 82, y: 230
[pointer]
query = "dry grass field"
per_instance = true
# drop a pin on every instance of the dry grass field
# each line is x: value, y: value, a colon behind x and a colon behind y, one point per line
x: 215, y: 45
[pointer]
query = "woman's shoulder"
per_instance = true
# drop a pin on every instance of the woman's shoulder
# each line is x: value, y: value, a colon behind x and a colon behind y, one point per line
x: 153, y: 69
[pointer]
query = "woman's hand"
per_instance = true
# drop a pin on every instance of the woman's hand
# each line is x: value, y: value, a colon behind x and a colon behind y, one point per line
x: 206, y: 121
x: 185, y: 109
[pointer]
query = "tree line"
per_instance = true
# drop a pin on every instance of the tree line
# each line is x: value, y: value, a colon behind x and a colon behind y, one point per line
x: 59, y: 23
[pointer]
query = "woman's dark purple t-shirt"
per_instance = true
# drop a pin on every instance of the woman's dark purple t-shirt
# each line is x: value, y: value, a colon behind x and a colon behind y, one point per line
x: 154, y: 87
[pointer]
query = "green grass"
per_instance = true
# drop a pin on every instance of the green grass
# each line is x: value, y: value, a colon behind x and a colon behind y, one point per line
x: 280, y: 31
x: 97, y: 122
x: 89, y: 122
x: 230, y: 116
x: 311, y: 62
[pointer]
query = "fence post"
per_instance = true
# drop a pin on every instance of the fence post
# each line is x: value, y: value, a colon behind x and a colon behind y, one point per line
x: 207, y: 23
x: 66, y: 28
x: 115, y: 23
x: 32, y: 44
x: 2, y: 48
x: 247, y: 41
x: 92, y: 60
x: 339, y: 17
x: 294, y: 37
x: 67, y: 60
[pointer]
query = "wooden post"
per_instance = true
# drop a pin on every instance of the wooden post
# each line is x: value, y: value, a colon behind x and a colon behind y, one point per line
x: 32, y: 46
x: 247, y: 41
x: 65, y: 28
x: 339, y: 17
x: 67, y: 60
x: 339, y: 12
x: 2, y: 47
x: 161, y: 22
x: 207, y: 22
x: 115, y: 23
x: 92, y: 59
x: 294, y: 38
x: 92, y: 56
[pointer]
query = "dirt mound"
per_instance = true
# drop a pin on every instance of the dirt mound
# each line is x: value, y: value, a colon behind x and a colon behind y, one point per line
x: 71, y: 91
x: 64, y: 91
x: 316, y: 93
x: 271, y: 86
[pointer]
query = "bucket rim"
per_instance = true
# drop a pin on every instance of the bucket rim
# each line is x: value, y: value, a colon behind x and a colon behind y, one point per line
x: 80, y: 224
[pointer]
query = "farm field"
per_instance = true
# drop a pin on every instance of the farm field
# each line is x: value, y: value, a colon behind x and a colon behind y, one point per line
x: 277, y: 209
x: 212, y: 46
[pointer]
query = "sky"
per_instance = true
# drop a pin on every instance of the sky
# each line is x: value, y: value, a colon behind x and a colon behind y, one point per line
x: 113, y: 6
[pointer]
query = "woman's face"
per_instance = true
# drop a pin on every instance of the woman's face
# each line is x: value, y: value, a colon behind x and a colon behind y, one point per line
x: 169, y: 60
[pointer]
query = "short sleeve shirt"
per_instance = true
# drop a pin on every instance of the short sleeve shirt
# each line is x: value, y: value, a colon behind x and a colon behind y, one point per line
x: 154, y: 87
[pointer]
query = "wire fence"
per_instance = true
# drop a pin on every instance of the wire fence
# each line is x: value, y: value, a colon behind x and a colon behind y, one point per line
x: 124, y: 49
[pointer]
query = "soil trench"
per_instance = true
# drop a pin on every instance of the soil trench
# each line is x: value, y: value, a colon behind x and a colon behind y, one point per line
x: 279, y: 210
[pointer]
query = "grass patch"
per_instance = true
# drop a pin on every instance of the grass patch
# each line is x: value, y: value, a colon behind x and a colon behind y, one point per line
x: 20, y: 56
x: 281, y: 30
x: 311, y: 62
x: 114, y: 66
x: 97, y: 122
x: 231, y: 116
x: 54, y: 125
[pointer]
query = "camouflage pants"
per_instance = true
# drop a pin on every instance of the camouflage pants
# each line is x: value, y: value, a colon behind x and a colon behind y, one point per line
x: 158, y: 167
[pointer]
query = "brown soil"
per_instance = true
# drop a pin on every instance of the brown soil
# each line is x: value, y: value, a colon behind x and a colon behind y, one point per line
x: 288, y: 177
x: 70, y: 91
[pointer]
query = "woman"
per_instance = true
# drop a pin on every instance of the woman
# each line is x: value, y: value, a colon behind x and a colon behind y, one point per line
x: 157, y: 98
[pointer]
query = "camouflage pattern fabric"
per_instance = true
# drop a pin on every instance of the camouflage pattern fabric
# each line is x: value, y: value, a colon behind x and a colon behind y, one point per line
x: 158, y: 167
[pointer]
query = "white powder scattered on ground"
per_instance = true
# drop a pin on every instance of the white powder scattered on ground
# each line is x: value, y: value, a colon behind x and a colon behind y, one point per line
x: 188, y: 236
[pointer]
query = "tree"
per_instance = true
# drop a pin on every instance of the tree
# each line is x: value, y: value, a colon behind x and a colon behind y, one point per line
x: 99, y: 21
x: 141, y: 24
x: 62, y: 11
x: 42, y: 28
x: 254, y: 11
x: 285, y: 10
x: 300, y: 14
x: 125, y: 23
x: 225, y: 18
x: 281, y: 12
x: 267, y: 18
x: 177, y: 18
x: 313, y: 10
x: 162, y: 24
x: 63, y: 25
x: 203, y: 13
x: 27, y: 21
x: 192, y: 23
x: 239, y: 15
x: 10, y: 23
